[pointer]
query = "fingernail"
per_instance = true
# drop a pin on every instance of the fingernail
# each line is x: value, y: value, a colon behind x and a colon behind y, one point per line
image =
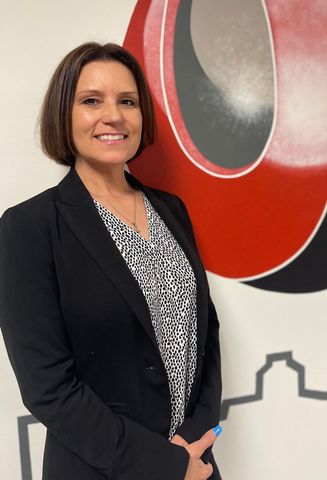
x: 217, y: 430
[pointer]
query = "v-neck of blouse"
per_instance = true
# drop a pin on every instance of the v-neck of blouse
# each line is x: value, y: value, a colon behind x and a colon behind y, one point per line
x: 117, y: 219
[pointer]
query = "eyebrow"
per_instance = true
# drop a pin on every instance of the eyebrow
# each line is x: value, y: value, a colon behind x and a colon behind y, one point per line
x: 98, y: 92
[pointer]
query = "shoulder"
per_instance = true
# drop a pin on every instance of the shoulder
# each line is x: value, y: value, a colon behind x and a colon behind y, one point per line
x: 29, y: 214
x: 36, y: 203
x: 172, y: 201
x: 160, y: 194
x: 169, y: 198
x: 176, y: 206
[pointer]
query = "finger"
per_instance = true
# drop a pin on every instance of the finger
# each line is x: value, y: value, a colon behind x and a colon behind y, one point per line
x: 209, y: 469
x: 178, y: 440
x: 206, y: 470
x: 200, y: 446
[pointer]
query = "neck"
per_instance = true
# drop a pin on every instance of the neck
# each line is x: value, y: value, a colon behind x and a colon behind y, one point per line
x: 102, y: 181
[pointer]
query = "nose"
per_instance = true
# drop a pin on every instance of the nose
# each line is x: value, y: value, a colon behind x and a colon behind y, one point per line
x: 112, y: 114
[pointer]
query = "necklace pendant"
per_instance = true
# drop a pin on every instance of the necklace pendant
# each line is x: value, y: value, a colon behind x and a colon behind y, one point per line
x: 137, y: 230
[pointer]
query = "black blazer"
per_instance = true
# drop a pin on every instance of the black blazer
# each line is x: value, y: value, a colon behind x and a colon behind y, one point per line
x: 79, y: 337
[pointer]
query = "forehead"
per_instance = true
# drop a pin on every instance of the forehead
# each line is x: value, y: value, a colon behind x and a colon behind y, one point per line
x: 106, y: 74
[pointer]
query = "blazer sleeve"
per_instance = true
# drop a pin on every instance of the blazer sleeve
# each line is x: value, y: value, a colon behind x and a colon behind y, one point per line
x: 206, y: 412
x: 40, y: 353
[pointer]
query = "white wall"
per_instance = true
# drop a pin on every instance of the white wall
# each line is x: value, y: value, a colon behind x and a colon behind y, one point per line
x: 34, y: 36
x: 282, y: 436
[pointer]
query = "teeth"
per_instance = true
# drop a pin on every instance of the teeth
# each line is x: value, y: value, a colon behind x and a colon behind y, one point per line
x: 106, y: 138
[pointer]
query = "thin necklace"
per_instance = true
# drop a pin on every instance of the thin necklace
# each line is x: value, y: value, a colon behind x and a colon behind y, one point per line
x: 135, y: 227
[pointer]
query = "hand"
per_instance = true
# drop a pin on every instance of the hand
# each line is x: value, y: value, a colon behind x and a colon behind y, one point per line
x: 197, y: 469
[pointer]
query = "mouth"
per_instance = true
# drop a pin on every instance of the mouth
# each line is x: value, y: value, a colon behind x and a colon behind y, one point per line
x: 111, y: 137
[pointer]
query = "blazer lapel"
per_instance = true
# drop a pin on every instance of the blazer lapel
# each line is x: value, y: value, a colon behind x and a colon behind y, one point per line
x: 77, y: 208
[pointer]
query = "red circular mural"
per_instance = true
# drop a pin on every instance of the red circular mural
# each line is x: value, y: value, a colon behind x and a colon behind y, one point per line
x: 252, y: 219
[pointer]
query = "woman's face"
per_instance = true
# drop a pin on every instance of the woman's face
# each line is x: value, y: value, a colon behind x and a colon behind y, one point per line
x: 106, y: 115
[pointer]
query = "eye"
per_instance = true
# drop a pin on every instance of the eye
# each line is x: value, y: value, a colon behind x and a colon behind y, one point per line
x: 90, y: 101
x: 128, y: 101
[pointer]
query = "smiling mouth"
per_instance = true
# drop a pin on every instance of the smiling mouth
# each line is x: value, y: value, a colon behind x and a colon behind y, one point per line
x: 111, y: 137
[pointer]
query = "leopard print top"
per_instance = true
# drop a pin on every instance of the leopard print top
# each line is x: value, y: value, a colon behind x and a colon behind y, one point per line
x: 167, y: 281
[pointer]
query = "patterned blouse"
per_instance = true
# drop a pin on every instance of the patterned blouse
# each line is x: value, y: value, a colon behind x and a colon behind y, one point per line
x: 168, y: 284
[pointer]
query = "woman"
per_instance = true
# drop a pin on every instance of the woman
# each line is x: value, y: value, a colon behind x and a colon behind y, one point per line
x: 105, y: 308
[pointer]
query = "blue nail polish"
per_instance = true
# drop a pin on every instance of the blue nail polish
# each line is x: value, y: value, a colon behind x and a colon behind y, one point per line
x: 217, y: 430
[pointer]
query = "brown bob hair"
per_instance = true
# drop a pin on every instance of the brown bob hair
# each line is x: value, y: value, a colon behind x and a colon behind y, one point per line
x: 56, y: 113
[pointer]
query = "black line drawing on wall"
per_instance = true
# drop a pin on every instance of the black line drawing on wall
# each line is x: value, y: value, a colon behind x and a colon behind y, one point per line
x: 24, y: 445
x: 271, y: 358
x: 26, y: 420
